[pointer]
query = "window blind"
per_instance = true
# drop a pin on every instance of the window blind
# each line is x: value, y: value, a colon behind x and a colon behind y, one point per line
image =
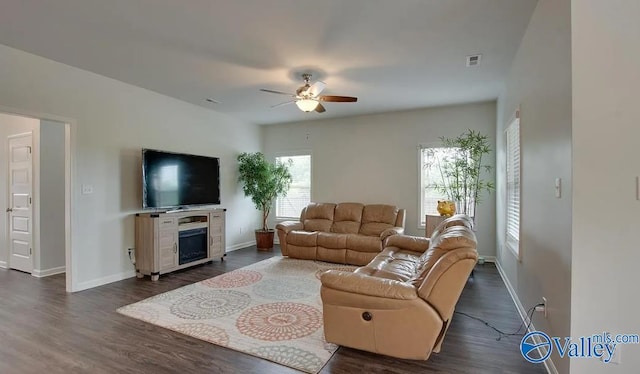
x: 513, y: 185
x: 431, y: 159
x: 299, y: 193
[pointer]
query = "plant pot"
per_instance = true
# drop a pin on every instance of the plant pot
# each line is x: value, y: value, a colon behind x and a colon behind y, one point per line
x: 264, y: 239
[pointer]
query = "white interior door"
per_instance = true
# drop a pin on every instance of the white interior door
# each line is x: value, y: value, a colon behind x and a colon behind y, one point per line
x: 20, y: 211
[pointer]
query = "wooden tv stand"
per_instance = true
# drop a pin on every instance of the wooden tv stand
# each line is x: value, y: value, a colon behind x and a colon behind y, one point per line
x: 159, y: 236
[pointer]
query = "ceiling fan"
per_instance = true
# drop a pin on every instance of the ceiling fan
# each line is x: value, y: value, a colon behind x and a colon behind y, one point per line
x: 308, y: 97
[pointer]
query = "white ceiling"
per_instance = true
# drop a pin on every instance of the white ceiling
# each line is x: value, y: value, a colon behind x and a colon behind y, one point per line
x: 391, y: 54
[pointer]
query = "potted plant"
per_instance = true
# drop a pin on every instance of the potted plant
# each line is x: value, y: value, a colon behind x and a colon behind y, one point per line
x: 263, y: 182
x: 461, y: 169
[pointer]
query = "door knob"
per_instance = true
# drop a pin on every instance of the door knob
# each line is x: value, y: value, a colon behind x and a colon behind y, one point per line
x: 9, y: 210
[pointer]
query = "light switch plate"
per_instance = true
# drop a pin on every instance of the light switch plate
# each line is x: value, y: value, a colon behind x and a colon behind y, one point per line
x: 87, y: 189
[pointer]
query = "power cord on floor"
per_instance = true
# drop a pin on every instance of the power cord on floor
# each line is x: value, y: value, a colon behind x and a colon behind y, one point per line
x: 502, y: 334
x: 133, y: 260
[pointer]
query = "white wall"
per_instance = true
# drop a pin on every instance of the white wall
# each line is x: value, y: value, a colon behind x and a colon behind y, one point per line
x: 374, y: 158
x: 9, y: 125
x: 51, y: 198
x: 606, y: 213
x: 540, y: 83
x: 112, y: 121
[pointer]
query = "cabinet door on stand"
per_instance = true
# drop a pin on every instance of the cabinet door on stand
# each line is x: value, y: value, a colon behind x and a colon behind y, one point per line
x: 431, y: 222
x: 168, y: 244
x: 216, y: 235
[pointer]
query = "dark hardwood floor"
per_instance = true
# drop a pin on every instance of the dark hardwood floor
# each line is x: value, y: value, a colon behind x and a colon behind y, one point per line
x: 44, y: 329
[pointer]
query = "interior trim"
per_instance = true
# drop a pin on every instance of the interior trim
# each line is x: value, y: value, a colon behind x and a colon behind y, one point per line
x: 548, y: 364
x: 47, y: 272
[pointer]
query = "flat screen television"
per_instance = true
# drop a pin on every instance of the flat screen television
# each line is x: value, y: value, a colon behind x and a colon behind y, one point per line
x: 177, y: 180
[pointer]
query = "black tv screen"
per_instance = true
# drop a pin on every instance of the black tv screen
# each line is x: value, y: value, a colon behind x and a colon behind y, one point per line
x: 172, y: 180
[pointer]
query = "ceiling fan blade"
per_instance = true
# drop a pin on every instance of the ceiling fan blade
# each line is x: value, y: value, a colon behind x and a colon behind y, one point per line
x: 320, y: 108
x: 277, y: 92
x: 338, y: 99
x: 316, y: 88
x: 281, y: 104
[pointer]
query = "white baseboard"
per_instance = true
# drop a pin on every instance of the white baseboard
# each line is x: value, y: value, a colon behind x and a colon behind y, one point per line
x: 235, y: 247
x: 3, y: 264
x: 491, y: 259
x: 48, y: 272
x: 105, y: 280
x: 131, y: 273
x: 548, y: 364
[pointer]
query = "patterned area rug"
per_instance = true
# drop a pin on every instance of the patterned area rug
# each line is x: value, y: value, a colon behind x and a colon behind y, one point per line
x: 271, y: 309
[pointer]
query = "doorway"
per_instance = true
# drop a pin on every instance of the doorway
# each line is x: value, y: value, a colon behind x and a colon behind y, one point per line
x: 35, y: 189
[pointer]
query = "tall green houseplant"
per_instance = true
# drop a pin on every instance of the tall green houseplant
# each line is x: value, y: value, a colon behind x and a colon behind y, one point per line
x: 263, y: 182
x: 462, y: 170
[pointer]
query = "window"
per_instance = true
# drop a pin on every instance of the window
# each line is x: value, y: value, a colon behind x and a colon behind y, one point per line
x: 299, y: 194
x: 431, y: 175
x: 512, y: 135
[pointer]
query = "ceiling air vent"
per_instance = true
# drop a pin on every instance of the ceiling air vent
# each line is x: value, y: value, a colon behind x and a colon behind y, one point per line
x: 473, y: 60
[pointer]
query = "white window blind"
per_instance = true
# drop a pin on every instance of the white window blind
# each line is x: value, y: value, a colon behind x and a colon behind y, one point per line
x: 513, y: 186
x: 299, y: 194
x: 431, y: 175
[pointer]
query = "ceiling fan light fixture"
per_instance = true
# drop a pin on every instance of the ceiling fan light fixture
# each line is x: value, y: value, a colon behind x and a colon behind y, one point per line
x: 307, y: 105
x: 308, y: 97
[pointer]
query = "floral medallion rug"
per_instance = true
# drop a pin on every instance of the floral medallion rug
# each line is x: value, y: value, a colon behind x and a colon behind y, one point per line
x: 271, y: 309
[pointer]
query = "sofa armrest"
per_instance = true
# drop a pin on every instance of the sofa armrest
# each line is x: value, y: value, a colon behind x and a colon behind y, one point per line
x: 391, y: 231
x: 368, y: 285
x: 288, y: 226
x: 408, y: 242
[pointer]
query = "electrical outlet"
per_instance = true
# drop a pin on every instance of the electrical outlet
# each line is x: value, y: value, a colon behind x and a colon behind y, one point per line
x: 617, y: 353
x: 544, y: 308
x: 87, y: 189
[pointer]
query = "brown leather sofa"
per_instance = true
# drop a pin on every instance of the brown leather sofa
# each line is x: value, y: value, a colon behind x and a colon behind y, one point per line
x: 402, y: 302
x: 345, y: 233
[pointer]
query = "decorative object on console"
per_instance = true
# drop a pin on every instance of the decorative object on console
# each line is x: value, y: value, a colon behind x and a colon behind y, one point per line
x: 307, y: 97
x: 263, y: 182
x: 462, y: 171
x: 446, y: 208
x: 270, y: 309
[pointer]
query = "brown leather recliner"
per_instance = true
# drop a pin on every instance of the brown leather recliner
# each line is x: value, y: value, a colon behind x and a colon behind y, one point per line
x: 402, y: 302
x: 345, y: 233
